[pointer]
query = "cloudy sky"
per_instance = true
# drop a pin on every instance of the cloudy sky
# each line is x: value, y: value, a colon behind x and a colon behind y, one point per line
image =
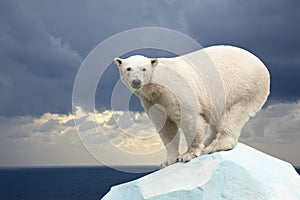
x: 43, y: 43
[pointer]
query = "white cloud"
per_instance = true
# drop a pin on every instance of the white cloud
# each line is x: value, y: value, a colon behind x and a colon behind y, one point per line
x: 276, y: 131
x: 50, y: 139
x: 115, y: 139
x: 278, y: 122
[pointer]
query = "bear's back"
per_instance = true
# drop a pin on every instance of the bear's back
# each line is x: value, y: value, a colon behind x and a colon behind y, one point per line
x: 217, y: 70
x: 243, y: 74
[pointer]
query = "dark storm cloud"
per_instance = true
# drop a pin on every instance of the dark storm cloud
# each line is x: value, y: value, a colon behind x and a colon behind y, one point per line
x: 43, y: 42
x: 269, y: 29
x: 37, y: 68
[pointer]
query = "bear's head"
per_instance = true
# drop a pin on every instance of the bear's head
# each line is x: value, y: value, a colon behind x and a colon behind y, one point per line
x: 136, y: 71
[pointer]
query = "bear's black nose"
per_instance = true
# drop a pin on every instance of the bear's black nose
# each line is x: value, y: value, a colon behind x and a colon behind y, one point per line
x: 136, y: 83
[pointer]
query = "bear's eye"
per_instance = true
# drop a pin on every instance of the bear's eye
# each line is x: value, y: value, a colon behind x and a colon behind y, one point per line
x: 128, y: 69
x: 144, y: 69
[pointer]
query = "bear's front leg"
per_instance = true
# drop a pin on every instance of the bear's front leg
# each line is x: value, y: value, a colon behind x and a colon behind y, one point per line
x: 167, y: 130
x: 193, y: 130
x: 170, y: 139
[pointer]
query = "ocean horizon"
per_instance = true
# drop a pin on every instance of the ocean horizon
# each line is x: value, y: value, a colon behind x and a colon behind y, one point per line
x: 64, y: 182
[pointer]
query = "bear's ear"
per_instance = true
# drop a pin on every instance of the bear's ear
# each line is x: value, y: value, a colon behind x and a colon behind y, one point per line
x: 118, y: 61
x: 154, y: 62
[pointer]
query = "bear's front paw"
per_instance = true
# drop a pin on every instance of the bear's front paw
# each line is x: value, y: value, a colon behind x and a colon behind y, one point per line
x: 168, y: 162
x: 187, y: 156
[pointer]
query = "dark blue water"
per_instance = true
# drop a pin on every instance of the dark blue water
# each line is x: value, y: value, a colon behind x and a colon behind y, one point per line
x: 76, y: 183
x: 84, y: 183
x: 298, y: 170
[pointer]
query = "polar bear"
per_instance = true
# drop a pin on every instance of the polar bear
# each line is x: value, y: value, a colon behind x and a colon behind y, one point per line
x: 218, y: 86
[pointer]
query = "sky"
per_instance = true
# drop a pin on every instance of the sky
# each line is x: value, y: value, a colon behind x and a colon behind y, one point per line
x: 43, y: 43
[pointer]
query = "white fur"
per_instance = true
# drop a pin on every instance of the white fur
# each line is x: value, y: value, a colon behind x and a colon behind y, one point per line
x: 222, y: 86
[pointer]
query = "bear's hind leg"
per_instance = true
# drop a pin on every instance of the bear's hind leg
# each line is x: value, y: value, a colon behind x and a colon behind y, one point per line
x: 194, y: 135
x: 212, y: 135
x: 230, y: 128
x: 170, y: 139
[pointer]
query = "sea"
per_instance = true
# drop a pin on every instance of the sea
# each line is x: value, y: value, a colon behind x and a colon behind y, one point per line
x: 63, y: 183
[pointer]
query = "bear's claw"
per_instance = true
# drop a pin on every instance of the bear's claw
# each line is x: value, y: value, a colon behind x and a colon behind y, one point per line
x: 168, y: 162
